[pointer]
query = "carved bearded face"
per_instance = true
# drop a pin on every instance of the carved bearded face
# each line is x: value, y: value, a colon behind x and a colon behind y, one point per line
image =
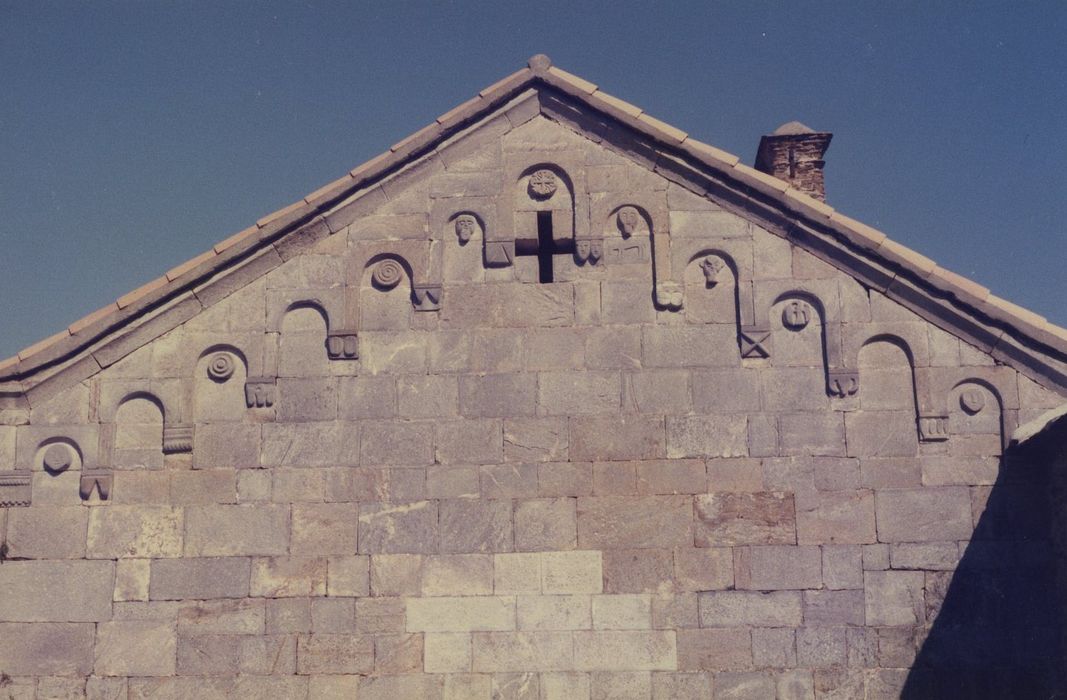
x: 628, y: 220
x: 465, y: 227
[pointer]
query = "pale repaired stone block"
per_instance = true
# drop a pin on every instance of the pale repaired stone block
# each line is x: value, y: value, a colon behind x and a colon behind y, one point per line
x: 622, y: 612
x: 447, y: 652
x: 565, y: 686
x: 553, y: 612
x: 652, y: 650
x: 339, y: 687
x: 522, y: 651
x: 279, y: 577
x: 470, y: 614
x: 571, y: 572
x: 134, y: 531
x: 516, y: 573
x: 56, y: 591
x: 135, y: 649
x: 457, y: 575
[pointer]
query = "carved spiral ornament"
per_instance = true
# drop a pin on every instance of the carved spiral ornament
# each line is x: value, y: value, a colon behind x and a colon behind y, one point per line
x: 220, y: 367
x: 387, y: 274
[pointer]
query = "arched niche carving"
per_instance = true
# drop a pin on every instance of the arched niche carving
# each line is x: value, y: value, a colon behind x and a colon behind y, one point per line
x: 304, y: 329
x: 976, y: 414
x: 138, y: 432
x: 710, y: 287
x: 218, y: 383
x: 627, y: 232
x: 797, y: 319
x: 544, y: 187
x: 386, y: 293
x: 889, y: 398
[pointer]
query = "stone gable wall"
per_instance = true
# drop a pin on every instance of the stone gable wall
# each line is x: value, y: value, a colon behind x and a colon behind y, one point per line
x: 700, y: 462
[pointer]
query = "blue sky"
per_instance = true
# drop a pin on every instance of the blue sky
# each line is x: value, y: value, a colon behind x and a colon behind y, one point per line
x: 133, y: 136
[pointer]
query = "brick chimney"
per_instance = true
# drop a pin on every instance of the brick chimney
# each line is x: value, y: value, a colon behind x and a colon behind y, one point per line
x: 794, y: 153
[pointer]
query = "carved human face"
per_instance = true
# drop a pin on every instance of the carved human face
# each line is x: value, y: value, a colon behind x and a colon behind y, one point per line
x: 582, y: 249
x: 628, y: 219
x: 465, y: 227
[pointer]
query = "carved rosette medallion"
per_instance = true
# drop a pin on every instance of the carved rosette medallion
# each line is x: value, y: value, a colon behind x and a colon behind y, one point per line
x: 796, y: 315
x: 220, y: 367
x: 466, y: 225
x: 711, y: 266
x: 57, y: 458
x: 543, y: 184
x: 627, y: 220
x: 972, y: 401
x: 387, y: 274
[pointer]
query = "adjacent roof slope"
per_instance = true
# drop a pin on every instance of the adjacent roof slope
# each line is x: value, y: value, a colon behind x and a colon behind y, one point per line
x: 1012, y: 334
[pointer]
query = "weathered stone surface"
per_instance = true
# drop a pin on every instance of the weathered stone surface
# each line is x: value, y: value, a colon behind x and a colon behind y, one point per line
x: 135, y: 531
x: 199, y: 579
x: 725, y: 519
x: 572, y: 572
x: 234, y: 531
x: 522, y: 651
x: 778, y: 568
x: 44, y: 649
x: 334, y: 653
x: 625, y: 651
x: 894, y: 597
x: 714, y: 649
x: 56, y: 591
x: 46, y: 533
x: 707, y: 436
x: 324, y: 528
x: 400, y: 528
x: 923, y: 515
x: 637, y: 571
x: 279, y: 577
x: 835, y: 517
x: 135, y: 649
x: 475, y: 525
x: 612, y: 438
x: 735, y: 608
x: 645, y: 521
x: 457, y: 575
x: 535, y: 439
x: 545, y: 524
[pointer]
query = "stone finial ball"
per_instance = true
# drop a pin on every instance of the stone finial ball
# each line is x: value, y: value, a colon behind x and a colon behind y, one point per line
x: 539, y: 63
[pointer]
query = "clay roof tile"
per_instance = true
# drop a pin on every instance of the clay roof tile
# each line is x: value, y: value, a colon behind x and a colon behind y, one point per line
x: 144, y: 290
x: 578, y: 83
x: 37, y: 347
